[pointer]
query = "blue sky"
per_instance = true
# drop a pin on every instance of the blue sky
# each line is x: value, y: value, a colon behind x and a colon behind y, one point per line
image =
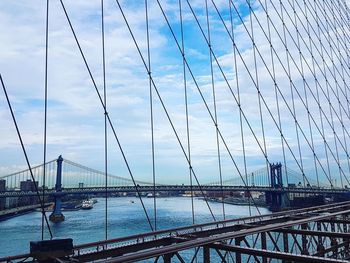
x: 75, y: 117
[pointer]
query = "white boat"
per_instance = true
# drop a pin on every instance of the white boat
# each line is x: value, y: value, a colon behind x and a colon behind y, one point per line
x: 87, y: 204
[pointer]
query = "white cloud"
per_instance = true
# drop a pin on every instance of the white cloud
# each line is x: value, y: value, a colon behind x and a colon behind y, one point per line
x: 76, y: 116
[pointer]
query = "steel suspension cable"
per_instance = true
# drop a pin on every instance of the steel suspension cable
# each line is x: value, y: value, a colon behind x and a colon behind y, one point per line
x: 330, y: 110
x: 342, y: 74
x: 105, y: 117
x: 316, y: 48
x: 258, y: 87
x: 322, y: 10
x: 317, y: 100
x: 335, y: 21
x: 204, y: 100
x: 342, y: 68
x: 252, y: 78
x: 316, y: 85
x: 284, y: 69
x: 107, y: 114
x: 318, y: 97
x: 304, y: 88
x: 164, y: 107
x: 276, y: 93
x: 151, y: 115
x: 186, y: 109
x: 238, y: 95
x: 324, y: 66
x: 36, y: 189
x: 45, y: 111
x: 215, y: 111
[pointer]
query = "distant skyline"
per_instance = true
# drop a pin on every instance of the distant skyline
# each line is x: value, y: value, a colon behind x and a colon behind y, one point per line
x: 76, y: 117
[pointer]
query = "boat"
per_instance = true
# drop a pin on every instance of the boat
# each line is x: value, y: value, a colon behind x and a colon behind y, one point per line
x: 87, y: 204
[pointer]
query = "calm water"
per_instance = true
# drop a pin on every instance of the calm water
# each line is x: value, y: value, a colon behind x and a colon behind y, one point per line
x: 124, y: 218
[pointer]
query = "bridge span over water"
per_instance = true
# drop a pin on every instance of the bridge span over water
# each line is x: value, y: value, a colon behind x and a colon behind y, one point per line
x: 68, y: 178
x: 218, y: 86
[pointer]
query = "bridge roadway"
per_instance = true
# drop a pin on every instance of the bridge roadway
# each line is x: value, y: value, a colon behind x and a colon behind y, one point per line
x: 176, y: 188
x: 317, y: 234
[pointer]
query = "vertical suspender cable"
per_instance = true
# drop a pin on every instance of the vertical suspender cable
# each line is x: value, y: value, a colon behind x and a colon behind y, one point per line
x: 215, y: 110
x: 238, y: 97
x: 304, y: 85
x: 329, y: 97
x: 337, y: 44
x: 276, y: 93
x: 318, y: 96
x: 257, y: 84
x: 292, y: 94
x: 108, y: 118
x: 105, y: 117
x: 186, y: 109
x: 45, y: 111
x: 316, y: 83
x: 151, y: 116
x: 258, y: 90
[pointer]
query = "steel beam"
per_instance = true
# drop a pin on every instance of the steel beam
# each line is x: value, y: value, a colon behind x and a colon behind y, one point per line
x: 274, y: 254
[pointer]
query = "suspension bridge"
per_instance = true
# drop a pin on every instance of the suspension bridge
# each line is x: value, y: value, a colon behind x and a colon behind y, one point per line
x: 64, y: 177
x: 220, y: 87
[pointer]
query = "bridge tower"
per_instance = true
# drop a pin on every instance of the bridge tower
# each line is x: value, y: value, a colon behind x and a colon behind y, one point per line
x: 276, y: 198
x: 57, y: 215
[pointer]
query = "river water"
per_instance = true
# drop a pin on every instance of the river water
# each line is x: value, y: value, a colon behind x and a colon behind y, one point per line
x: 125, y: 217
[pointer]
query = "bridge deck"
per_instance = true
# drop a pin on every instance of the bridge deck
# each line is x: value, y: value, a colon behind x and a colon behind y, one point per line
x: 177, y: 188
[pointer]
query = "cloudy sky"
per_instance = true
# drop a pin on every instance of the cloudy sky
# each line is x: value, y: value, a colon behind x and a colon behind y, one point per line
x: 313, y: 80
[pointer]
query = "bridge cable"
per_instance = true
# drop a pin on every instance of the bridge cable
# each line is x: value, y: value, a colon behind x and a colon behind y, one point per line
x: 108, y: 117
x: 284, y: 99
x: 151, y: 115
x: 342, y: 75
x: 105, y: 116
x: 164, y: 107
x: 331, y: 123
x: 304, y: 81
x: 229, y: 86
x: 342, y: 65
x: 325, y: 73
x: 312, y: 70
x: 321, y: 23
x: 335, y: 21
x: 204, y: 100
x: 26, y: 157
x: 263, y: 100
x: 323, y: 59
x: 330, y: 110
x: 258, y: 89
x: 311, y: 92
x: 45, y: 111
x: 317, y: 100
x: 239, y: 98
x: 305, y: 43
x: 186, y: 110
x: 317, y: 85
x: 215, y: 113
x: 276, y: 93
